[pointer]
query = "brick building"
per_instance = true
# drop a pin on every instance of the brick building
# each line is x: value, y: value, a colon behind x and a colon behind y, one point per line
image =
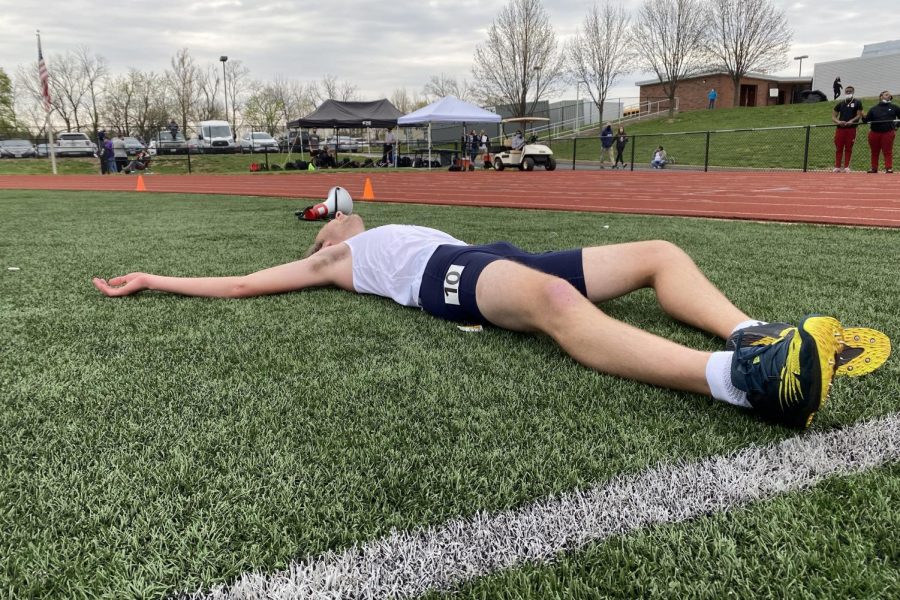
x: 755, y: 90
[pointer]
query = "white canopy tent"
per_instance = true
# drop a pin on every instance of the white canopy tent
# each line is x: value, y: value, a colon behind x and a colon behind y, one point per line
x: 447, y: 110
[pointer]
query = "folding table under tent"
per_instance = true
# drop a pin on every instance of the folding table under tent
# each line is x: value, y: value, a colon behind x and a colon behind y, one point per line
x: 448, y: 110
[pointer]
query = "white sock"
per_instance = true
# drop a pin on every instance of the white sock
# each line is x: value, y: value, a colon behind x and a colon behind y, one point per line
x: 745, y: 324
x: 718, y: 376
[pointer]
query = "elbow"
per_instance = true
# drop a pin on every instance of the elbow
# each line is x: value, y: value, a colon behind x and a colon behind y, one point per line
x: 241, y: 288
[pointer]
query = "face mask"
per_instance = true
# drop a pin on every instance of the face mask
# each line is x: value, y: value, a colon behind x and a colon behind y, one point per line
x: 849, y: 96
x: 885, y: 100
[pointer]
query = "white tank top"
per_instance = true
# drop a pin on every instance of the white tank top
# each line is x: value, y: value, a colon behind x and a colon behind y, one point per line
x: 389, y: 261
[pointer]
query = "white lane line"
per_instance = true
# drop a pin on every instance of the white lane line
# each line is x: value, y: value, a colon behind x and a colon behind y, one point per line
x: 407, y: 564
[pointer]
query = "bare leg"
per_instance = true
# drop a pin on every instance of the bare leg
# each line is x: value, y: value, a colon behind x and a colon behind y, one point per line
x: 522, y: 299
x: 683, y: 291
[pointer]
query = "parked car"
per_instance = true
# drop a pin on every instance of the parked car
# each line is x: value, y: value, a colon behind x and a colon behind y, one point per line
x: 296, y: 141
x: 17, y: 149
x: 343, y: 143
x: 166, y: 143
x: 133, y: 145
x: 74, y: 143
x: 43, y: 150
x: 813, y: 96
x: 258, y: 141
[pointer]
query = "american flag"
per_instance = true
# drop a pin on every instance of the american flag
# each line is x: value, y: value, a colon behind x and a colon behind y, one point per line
x: 45, y: 77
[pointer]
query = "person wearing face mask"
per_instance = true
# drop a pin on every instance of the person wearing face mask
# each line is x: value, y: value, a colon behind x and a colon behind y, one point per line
x: 882, y: 119
x: 846, y: 115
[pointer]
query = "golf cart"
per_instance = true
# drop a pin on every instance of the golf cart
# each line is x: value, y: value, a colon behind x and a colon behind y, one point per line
x: 529, y: 155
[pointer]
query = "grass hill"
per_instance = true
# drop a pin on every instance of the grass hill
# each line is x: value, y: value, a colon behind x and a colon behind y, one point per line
x: 684, y: 136
x: 784, y: 115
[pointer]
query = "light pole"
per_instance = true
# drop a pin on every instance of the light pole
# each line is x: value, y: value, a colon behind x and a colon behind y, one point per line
x: 800, y: 58
x: 537, y: 89
x: 224, y: 59
x: 577, y: 105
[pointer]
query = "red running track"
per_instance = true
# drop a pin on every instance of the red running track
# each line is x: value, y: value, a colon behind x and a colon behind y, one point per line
x: 833, y: 198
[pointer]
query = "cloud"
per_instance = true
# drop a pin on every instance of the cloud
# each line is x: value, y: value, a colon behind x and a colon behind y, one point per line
x: 378, y: 46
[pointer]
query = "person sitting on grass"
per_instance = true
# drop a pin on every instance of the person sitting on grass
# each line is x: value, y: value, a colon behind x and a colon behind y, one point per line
x: 659, y: 158
x: 782, y: 372
x: 141, y: 162
x: 324, y: 159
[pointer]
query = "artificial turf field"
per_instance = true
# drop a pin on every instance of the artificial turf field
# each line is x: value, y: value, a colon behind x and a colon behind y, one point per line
x: 155, y: 445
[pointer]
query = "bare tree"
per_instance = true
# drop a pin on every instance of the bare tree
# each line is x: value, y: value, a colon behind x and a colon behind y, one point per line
x: 208, y: 105
x: 441, y: 85
x: 600, y: 53
x: 93, y: 71
x: 119, y: 101
x: 237, y: 89
x: 748, y: 35
x: 151, y: 110
x: 182, y: 83
x: 402, y: 100
x: 297, y: 100
x: 29, y: 109
x: 519, y: 56
x: 67, y: 90
x: 28, y: 98
x: 332, y: 88
x: 670, y: 36
x: 264, y: 107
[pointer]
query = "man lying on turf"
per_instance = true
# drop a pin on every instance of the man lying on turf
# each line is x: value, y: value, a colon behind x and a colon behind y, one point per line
x: 780, y: 371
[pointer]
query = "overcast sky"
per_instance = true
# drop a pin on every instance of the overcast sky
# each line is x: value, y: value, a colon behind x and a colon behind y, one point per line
x: 377, y: 45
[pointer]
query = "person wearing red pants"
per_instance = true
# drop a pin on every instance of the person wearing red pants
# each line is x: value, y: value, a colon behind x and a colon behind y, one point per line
x: 847, y: 115
x: 883, y: 119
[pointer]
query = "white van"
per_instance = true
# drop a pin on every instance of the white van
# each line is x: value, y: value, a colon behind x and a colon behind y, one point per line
x: 214, y: 136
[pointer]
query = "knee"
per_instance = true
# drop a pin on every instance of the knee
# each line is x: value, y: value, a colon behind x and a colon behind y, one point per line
x: 659, y: 253
x: 558, y: 297
x: 664, y: 255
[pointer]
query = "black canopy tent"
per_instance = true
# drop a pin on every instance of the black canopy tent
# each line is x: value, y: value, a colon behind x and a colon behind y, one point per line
x: 338, y: 115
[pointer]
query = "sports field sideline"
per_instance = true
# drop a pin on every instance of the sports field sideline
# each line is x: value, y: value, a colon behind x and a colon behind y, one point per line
x: 321, y: 444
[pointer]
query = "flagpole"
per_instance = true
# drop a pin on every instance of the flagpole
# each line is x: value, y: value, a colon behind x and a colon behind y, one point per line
x: 46, y: 101
x: 50, y: 145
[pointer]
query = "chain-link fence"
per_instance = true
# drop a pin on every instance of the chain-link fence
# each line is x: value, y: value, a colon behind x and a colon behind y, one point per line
x: 795, y: 148
x: 798, y: 148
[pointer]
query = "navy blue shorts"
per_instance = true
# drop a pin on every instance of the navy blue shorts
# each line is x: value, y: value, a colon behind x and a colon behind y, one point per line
x: 448, y: 285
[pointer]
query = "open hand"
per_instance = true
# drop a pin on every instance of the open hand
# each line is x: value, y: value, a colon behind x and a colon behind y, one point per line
x: 124, y: 285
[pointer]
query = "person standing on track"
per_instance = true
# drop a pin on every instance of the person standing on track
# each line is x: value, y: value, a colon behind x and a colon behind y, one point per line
x: 847, y: 115
x: 883, y: 119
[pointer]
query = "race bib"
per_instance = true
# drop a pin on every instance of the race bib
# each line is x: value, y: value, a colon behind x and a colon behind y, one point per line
x: 451, y: 284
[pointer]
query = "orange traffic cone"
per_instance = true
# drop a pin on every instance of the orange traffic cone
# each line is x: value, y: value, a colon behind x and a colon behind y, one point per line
x: 368, y: 194
x: 140, y: 184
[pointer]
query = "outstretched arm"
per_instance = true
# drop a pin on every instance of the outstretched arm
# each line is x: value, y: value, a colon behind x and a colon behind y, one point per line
x: 315, y: 271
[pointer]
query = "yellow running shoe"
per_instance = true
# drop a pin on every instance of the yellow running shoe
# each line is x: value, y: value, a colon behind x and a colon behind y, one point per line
x: 863, y: 349
x: 787, y: 379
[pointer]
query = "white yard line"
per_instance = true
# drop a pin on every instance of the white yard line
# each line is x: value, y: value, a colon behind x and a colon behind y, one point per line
x: 407, y: 564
